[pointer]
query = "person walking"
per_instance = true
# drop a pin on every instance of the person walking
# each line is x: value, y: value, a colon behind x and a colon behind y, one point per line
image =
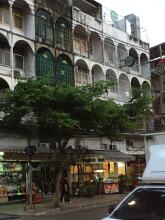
x: 65, y: 194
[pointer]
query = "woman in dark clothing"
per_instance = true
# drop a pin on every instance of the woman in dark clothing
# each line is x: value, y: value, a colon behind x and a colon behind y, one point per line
x: 64, y: 191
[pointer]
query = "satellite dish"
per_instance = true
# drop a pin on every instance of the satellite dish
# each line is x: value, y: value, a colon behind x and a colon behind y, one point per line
x: 129, y: 61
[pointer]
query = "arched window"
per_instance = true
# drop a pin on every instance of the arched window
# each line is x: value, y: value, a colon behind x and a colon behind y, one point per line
x: 45, y: 63
x: 64, y: 73
x: 44, y: 27
x: 63, y: 34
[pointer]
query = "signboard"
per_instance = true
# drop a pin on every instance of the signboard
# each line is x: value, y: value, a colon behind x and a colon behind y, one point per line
x: 30, y: 150
x: 114, y: 16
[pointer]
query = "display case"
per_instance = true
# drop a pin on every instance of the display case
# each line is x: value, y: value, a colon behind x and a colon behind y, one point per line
x: 11, y: 181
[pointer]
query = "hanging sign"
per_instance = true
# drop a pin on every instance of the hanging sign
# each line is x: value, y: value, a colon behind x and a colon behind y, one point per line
x: 30, y: 150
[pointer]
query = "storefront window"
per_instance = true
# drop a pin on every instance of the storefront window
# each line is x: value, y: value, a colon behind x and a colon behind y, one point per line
x: 11, y: 181
x: 121, y: 168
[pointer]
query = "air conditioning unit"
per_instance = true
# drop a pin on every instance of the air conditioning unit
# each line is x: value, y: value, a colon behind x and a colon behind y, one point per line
x: 112, y: 147
x: 44, y: 145
x: 17, y: 74
x: 104, y: 146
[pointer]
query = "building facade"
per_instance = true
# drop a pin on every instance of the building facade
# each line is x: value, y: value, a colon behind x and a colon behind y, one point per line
x: 76, y: 43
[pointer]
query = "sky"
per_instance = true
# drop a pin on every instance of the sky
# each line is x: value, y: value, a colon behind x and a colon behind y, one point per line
x: 150, y: 12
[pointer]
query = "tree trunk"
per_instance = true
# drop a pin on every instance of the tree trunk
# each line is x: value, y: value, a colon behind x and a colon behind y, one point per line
x: 56, y: 199
x: 62, y: 156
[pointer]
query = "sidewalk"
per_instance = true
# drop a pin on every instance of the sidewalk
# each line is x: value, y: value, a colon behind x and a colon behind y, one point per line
x: 46, y: 207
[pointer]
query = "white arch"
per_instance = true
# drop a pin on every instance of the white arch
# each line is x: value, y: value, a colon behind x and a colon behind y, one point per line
x: 4, y: 34
x: 97, y: 73
x: 29, y: 42
x: 81, y: 72
x: 124, y: 88
x: 30, y: 3
x: 7, y: 79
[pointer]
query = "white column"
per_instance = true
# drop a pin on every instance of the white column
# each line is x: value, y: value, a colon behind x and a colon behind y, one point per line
x: 11, y: 43
x: 139, y: 65
x: 90, y: 76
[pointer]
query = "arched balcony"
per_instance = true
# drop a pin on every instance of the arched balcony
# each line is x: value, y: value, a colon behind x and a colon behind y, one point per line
x: 81, y: 73
x: 124, y: 88
x: 4, y: 55
x: 63, y: 34
x: 64, y: 73
x: 133, y: 53
x: 80, y: 41
x: 97, y: 73
x: 109, y: 52
x: 23, y: 18
x: 96, y: 48
x: 111, y: 76
x: 145, y: 66
x: 135, y: 85
x: 122, y: 54
x: 24, y: 60
x: 44, y: 27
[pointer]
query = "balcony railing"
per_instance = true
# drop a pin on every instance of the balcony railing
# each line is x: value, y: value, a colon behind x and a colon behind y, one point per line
x: 5, y: 59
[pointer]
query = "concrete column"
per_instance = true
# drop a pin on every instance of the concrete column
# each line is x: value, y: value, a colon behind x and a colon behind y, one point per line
x: 90, y: 76
x: 139, y: 65
x: 11, y: 43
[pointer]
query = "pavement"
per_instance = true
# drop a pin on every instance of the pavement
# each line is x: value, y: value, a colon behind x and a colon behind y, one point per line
x: 47, y: 208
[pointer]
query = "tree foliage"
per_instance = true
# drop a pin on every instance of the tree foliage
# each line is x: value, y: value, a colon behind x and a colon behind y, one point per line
x: 139, y: 110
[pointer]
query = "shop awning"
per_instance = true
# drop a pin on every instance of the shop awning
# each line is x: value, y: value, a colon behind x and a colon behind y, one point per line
x: 116, y: 156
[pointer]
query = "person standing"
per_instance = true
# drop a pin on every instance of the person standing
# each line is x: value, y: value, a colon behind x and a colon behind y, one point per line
x: 65, y: 194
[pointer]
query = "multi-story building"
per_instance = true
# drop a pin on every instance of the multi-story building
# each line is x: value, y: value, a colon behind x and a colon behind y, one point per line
x: 156, y: 135
x: 102, y: 43
x: 73, y: 42
x: 157, y: 82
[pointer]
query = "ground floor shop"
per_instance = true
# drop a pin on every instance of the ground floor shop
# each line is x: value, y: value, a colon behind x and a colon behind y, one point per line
x: 14, y: 168
x: 103, y: 172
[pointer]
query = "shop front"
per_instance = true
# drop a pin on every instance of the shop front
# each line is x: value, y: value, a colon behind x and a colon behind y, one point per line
x: 12, y: 181
x: 85, y: 173
x: 115, y: 166
x: 101, y: 169
x: 14, y: 173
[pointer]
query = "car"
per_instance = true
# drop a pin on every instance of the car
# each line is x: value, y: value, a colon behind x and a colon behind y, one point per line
x: 146, y: 202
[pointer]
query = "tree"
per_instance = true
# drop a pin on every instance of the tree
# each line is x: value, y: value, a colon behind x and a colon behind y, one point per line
x: 56, y: 112
x: 116, y: 121
x: 139, y: 110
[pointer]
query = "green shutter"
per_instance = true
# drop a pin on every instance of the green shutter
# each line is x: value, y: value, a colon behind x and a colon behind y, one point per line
x: 64, y: 72
x: 45, y: 65
x: 44, y: 26
x: 64, y: 36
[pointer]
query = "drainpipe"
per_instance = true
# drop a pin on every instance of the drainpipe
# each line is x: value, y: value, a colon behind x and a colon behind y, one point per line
x: 11, y: 43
